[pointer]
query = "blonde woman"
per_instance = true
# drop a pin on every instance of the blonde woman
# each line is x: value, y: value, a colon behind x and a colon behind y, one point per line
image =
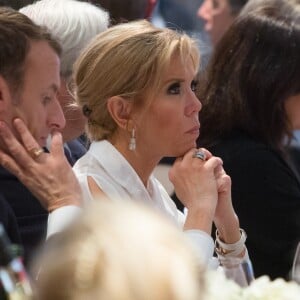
x: 136, y: 85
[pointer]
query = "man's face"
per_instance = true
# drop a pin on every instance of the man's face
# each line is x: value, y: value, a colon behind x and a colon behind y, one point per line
x: 217, y: 16
x: 36, y: 103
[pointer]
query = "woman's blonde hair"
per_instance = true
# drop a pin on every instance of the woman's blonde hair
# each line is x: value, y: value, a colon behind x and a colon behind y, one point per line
x: 120, y: 251
x: 127, y: 60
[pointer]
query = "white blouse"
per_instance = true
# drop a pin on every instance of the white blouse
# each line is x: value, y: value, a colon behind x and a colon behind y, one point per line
x: 118, y: 180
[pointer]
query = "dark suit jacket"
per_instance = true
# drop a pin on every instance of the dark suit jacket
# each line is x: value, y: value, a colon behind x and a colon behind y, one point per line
x: 31, y: 217
x: 9, y: 221
x: 266, y: 197
x: 74, y: 150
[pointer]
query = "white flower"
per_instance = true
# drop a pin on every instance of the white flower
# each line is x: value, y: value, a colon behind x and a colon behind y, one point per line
x: 262, y: 288
x: 219, y: 287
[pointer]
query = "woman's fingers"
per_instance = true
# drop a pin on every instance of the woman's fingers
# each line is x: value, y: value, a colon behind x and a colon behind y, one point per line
x: 201, y: 154
x: 207, y: 154
x: 214, y: 162
x: 206, y: 158
x: 191, y: 160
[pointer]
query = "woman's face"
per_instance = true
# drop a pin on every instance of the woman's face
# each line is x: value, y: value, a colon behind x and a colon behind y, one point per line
x: 217, y: 17
x: 292, y: 108
x: 169, y: 126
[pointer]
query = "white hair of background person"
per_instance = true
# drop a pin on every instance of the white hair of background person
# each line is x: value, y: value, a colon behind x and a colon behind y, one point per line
x: 72, y: 23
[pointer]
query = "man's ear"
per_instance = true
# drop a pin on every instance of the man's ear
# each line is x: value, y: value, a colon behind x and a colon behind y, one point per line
x: 5, y: 94
x: 119, y: 109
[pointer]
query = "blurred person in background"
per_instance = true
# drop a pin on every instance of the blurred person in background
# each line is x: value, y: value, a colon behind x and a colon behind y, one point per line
x: 250, y: 108
x: 73, y: 24
x: 180, y: 15
x: 218, y: 15
x: 124, y: 250
x: 15, y: 4
x: 126, y: 10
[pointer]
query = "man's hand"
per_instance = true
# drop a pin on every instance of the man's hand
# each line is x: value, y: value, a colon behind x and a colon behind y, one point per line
x: 47, y: 175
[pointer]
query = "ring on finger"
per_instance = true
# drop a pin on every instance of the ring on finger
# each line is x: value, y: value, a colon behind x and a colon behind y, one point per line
x: 200, y: 154
x: 36, y: 152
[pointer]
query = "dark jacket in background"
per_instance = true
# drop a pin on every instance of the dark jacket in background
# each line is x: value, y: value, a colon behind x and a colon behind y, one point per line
x: 266, y: 197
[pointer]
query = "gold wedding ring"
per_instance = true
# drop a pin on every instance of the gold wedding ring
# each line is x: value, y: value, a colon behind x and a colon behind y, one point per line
x: 36, y: 152
x: 200, y: 154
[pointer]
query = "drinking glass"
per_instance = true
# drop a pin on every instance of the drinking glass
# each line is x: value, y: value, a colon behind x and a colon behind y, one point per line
x: 296, y: 265
x: 237, y: 270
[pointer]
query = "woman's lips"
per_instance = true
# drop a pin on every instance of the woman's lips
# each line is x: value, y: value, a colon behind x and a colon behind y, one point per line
x: 194, y: 130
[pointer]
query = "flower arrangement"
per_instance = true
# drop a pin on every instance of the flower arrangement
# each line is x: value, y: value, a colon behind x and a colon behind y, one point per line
x: 262, y: 288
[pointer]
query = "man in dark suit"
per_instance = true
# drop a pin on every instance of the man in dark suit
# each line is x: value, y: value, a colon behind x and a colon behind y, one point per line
x: 29, y: 81
x: 27, y: 211
x: 23, y: 43
x: 30, y: 214
x: 8, y: 220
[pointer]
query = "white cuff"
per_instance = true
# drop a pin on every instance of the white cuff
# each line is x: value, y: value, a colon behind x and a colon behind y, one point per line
x: 202, y: 243
x: 245, y: 257
x: 61, y: 217
x: 232, y: 250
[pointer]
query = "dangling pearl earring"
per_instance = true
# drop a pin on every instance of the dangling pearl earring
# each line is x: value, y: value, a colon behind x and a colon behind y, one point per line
x: 132, y: 142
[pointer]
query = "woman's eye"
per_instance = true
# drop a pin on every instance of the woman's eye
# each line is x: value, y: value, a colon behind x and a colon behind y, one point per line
x: 174, y: 89
x: 194, y: 85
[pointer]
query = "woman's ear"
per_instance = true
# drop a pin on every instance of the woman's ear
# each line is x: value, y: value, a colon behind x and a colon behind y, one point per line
x: 119, y: 109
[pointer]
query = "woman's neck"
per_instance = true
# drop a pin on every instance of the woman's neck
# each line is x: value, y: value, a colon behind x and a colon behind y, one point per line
x: 141, y: 159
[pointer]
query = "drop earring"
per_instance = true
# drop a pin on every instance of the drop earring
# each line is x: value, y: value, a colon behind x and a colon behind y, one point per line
x: 132, y: 142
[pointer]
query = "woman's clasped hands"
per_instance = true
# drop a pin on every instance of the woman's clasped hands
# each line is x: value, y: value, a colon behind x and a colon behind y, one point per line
x: 204, y: 188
